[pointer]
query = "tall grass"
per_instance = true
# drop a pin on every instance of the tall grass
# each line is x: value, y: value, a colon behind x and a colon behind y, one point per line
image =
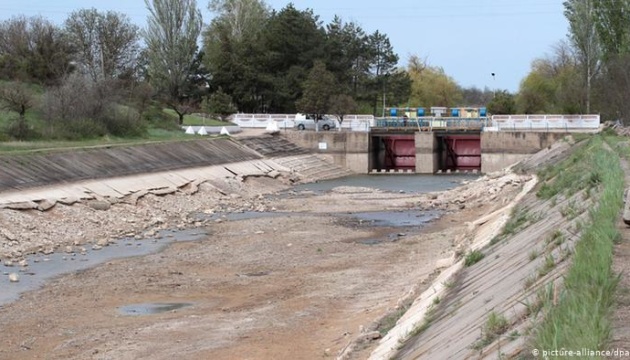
x: 581, y: 317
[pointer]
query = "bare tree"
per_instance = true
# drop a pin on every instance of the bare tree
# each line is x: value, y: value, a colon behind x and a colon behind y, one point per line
x: 16, y: 97
x: 171, y: 37
x: 106, y: 43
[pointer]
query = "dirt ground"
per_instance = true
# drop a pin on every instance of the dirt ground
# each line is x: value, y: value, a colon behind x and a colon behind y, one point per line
x: 297, y: 286
x: 620, y: 337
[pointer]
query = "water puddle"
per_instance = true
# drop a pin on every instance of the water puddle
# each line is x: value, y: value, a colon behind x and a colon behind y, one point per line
x: 151, y: 308
x: 411, y: 183
x: 45, y: 267
x: 405, y: 218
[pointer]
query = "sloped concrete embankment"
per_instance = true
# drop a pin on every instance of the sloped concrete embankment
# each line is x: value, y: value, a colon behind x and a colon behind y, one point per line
x: 526, y: 246
x: 24, y: 171
x: 101, y: 209
x: 38, y: 181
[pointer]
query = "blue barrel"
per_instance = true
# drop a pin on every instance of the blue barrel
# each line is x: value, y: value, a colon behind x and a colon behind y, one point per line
x: 454, y: 112
x: 483, y: 112
x: 393, y: 112
x: 420, y: 112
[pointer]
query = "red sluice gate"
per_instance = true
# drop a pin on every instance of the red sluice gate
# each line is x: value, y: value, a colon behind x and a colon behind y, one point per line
x: 463, y: 152
x: 400, y: 152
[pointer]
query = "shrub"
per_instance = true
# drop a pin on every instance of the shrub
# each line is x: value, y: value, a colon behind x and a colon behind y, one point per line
x: 473, y: 257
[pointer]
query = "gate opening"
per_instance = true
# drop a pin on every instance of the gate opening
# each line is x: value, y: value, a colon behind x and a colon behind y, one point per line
x: 459, y: 152
x: 394, y: 152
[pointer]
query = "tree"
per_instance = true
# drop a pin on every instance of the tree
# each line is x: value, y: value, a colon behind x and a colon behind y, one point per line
x: 430, y: 85
x: 318, y: 89
x: 171, y: 37
x: 502, y: 103
x: 584, y: 38
x: 33, y: 50
x: 234, y: 51
x: 475, y: 97
x: 16, y: 97
x: 553, y: 85
x: 612, y: 22
x: 19, y: 98
x: 341, y: 105
x: 612, y: 89
x: 219, y: 104
x: 382, y: 62
x: 292, y: 40
x: 242, y: 18
x: 106, y: 42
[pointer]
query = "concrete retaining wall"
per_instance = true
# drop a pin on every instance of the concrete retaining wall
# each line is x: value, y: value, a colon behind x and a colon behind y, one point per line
x: 347, y: 149
x: 502, y: 149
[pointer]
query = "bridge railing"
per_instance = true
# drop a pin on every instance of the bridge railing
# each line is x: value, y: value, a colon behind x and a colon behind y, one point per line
x: 432, y: 123
x: 544, y: 122
x: 353, y: 122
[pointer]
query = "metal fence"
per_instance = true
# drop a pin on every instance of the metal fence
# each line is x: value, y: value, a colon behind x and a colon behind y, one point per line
x: 287, y: 121
x: 544, y: 122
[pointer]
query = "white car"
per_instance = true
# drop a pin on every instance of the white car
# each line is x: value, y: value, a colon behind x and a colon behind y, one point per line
x: 324, y: 123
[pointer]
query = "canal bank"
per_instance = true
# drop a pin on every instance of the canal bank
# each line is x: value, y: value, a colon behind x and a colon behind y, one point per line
x: 252, y: 286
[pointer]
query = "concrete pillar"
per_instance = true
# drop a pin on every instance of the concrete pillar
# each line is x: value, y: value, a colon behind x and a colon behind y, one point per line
x: 426, y: 153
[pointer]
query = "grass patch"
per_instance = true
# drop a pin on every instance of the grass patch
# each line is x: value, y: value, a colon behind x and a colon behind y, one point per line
x: 581, y: 317
x: 575, y: 174
x: 473, y: 257
x: 519, y: 219
x: 193, y: 119
x: 547, y: 266
x: 495, y: 326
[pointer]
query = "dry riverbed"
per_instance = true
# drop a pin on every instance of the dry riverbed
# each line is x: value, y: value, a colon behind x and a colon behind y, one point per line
x: 301, y: 285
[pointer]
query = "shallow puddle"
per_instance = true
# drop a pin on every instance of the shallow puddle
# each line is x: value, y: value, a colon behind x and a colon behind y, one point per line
x: 151, y: 308
x: 45, y: 267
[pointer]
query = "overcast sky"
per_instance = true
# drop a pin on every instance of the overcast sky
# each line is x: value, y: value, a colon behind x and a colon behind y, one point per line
x: 470, y: 39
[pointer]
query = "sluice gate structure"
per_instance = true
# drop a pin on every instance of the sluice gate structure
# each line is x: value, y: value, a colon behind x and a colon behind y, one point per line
x: 436, y: 144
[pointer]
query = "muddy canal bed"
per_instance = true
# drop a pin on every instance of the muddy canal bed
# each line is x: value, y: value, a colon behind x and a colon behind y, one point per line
x: 301, y: 281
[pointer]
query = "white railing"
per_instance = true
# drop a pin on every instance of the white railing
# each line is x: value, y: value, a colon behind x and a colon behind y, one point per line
x: 287, y: 121
x: 544, y: 122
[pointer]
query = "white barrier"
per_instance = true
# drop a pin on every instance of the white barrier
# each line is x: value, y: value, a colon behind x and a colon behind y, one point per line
x: 287, y: 121
x: 545, y: 122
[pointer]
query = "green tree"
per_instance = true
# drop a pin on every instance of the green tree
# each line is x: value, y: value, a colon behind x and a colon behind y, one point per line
x: 612, y: 89
x: 342, y: 105
x: 612, y: 21
x: 502, y: 103
x: 382, y: 64
x: 33, y: 50
x: 106, y: 42
x: 219, y: 104
x: 431, y: 86
x: 171, y: 37
x: 318, y: 90
x: 553, y: 85
x: 292, y: 40
x: 234, y: 51
x: 584, y: 38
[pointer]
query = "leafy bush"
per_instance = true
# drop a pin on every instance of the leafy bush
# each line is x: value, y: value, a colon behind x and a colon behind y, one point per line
x: 124, y: 123
x: 78, y: 129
